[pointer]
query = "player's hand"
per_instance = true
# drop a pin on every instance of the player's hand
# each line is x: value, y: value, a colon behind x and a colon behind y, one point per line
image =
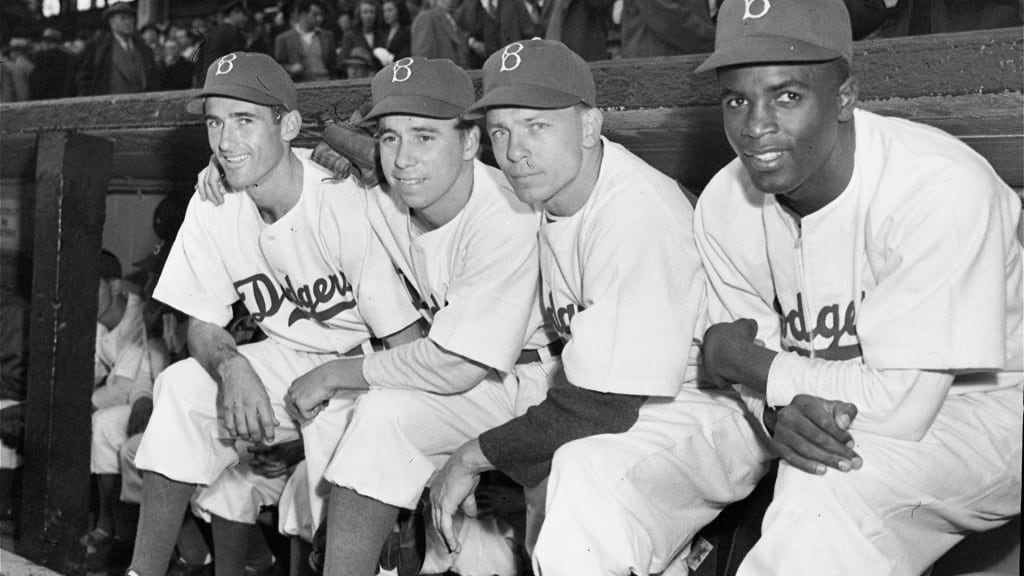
x: 718, y: 350
x: 243, y: 405
x: 813, y: 435
x: 451, y: 490
x: 310, y: 393
x: 275, y: 460
x: 142, y: 409
x: 212, y: 185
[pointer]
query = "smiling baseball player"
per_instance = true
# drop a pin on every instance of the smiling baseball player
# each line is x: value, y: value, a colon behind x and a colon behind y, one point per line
x: 468, y: 249
x: 637, y: 458
x: 295, y: 247
x: 888, y: 253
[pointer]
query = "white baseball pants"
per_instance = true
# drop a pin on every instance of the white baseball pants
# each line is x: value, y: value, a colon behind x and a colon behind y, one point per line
x: 907, y: 505
x: 185, y: 441
x: 631, y: 502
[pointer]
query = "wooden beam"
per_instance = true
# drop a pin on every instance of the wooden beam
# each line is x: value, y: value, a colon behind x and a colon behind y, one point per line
x: 969, y: 84
x: 985, y: 61
x: 71, y: 181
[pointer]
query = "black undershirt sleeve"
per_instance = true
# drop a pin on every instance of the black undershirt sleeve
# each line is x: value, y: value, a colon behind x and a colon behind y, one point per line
x: 523, y: 447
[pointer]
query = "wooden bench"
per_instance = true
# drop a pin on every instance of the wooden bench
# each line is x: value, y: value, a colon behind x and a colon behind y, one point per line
x: 67, y: 155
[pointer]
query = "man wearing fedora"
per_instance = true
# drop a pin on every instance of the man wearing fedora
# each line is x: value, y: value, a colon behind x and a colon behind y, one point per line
x: 118, y: 62
x: 294, y: 246
x: 865, y: 281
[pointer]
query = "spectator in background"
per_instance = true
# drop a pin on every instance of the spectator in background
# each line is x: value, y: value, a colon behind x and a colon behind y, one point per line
x: 14, y: 316
x: 307, y: 51
x: 51, y: 77
x: 228, y: 37
x: 17, y: 68
x: 257, y: 34
x: 666, y: 28
x: 152, y: 35
x: 491, y: 24
x: 582, y: 25
x: 176, y: 72
x: 397, y: 38
x: 435, y: 34
x: 186, y: 41
x: 367, y: 36
x: 118, y: 62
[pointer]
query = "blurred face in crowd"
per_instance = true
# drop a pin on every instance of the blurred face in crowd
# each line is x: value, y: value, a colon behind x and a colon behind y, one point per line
x: 368, y: 15
x: 390, y: 13
x: 445, y: 5
x: 172, y: 51
x: 151, y: 36
x: 181, y: 36
x: 344, y: 22
x: 109, y: 290
x: 313, y: 19
x: 122, y: 24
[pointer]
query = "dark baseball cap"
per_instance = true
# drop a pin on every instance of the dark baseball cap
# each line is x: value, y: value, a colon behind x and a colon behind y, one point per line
x: 542, y: 74
x: 250, y: 77
x: 110, y: 266
x: 421, y: 87
x: 769, y: 31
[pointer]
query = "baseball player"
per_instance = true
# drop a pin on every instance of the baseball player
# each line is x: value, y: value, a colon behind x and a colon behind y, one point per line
x: 637, y: 458
x: 297, y: 250
x: 884, y: 253
x: 124, y: 369
x: 468, y: 248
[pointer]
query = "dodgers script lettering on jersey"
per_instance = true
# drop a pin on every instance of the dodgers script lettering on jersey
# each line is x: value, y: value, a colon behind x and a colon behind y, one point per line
x: 833, y: 323
x: 319, y: 300
x: 561, y: 316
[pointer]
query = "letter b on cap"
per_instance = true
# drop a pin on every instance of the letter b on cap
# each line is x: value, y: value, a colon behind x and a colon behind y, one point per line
x: 226, y: 64
x: 766, y: 5
x: 402, y: 71
x: 510, y: 59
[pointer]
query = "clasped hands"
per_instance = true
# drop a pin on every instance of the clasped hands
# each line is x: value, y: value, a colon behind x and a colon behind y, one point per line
x: 810, y: 433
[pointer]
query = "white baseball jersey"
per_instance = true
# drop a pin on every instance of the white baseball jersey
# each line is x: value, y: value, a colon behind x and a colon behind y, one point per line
x: 316, y: 280
x: 475, y: 275
x: 121, y: 350
x: 622, y: 281
x: 916, y: 265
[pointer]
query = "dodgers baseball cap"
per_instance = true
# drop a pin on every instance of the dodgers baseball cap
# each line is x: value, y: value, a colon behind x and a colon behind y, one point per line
x: 248, y: 76
x: 421, y: 87
x: 542, y: 74
x: 768, y: 31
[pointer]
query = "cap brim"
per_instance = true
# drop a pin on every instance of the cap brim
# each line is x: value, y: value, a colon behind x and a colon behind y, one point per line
x: 414, y: 105
x: 195, y: 105
x: 523, y: 96
x: 763, y: 49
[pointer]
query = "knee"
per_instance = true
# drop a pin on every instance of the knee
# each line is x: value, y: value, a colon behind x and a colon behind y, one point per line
x: 580, y: 458
x: 108, y: 426
x: 183, y: 379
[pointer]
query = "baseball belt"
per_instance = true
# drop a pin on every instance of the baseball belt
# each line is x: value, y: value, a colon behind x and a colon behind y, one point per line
x: 552, y: 350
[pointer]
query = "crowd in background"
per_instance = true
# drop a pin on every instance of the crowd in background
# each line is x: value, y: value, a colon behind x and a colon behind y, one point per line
x: 328, y: 40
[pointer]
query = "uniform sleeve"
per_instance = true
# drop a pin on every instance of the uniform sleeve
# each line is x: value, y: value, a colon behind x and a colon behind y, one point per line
x: 492, y: 292
x: 194, y: 279
x: 422, y: 365
x: 644, y: 296
x: 941, y: 261
x: 896, y: 403
x: 523, y: 447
